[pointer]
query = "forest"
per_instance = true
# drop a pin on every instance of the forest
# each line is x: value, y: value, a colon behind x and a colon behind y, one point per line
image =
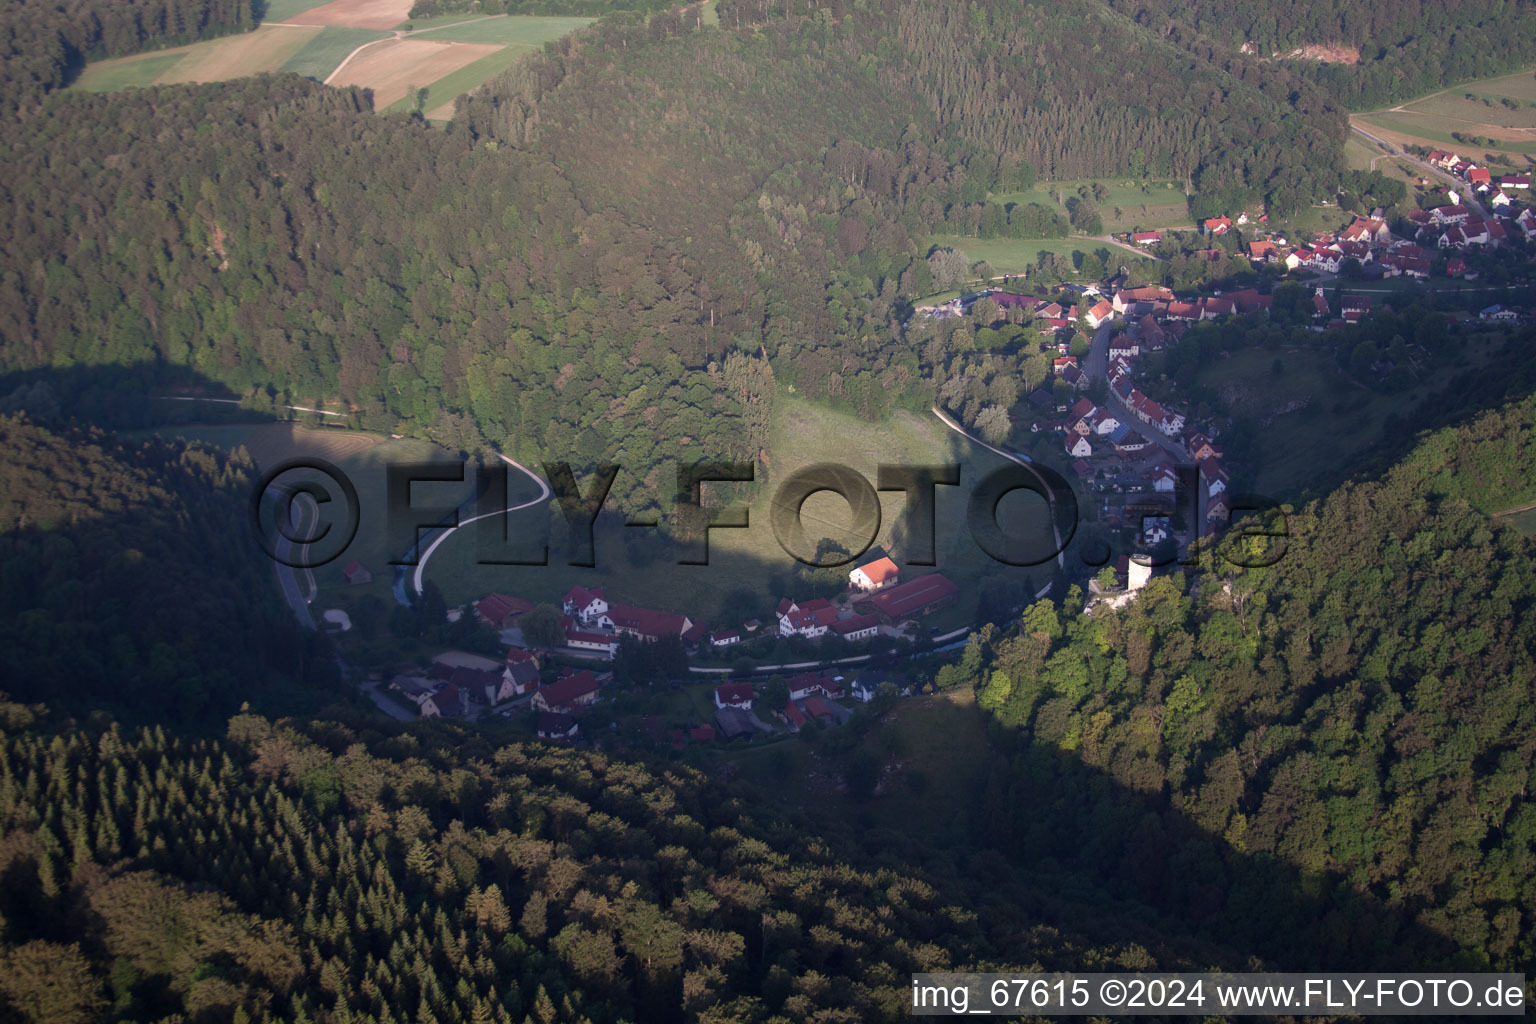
x: 1405, y: 47
x: 1361, y: 710
x: 572, y: 267
x: 129, y: 587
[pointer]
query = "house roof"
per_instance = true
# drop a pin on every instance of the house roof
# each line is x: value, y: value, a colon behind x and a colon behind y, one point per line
x: 702, y: 733
x: 495, y: 607
x: 1148, y: 236
x: 518, y: 655
x: 1101, y: 309
x: 880, y: 570
x: 732, y: 693
x: 722, y: 635
x: 853, y: 625
x: 572, y: 688
x: 905, y: 598
x: 647, y: 621
x: 556, y: 723
x: 580, y: 597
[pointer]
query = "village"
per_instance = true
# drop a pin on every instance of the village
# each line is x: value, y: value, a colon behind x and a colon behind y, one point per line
x: 1153, y: 477
x: 541, y: 683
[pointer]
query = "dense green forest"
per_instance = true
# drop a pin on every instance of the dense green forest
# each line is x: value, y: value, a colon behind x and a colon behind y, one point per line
x: 128, y: 582
x: 1361, y: 711
x: 332, y: 873
x: 45, y: 43
x: 1406, y: 47
x: 577, y: 267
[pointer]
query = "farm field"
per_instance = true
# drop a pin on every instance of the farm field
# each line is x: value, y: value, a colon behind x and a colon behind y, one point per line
x: 376, y: 14
x: 282, y: 10
x: 268, y: 48
x: 325, y: 51
x: 1018, y: 255
x: 1502, y: 108
x: 748, y: 559
x: 1364, y: 156
x: 513, y: 37
x: 396, y: 66
x: 1141, y: 205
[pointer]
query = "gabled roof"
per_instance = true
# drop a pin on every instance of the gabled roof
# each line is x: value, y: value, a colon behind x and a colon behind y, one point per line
x: 581, y: 597
x: 495, y: 607
x: 647, y: 621
x: 856, y: 624
x: 880, y: 570
x: 734, y: 693
x: 570, y: 689
x: 905, y: 598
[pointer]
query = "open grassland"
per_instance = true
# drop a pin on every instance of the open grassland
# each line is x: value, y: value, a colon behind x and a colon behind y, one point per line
x: 1018, y: 255
x: 396, y: 67
x: 1141, y: 205
x: 748, y: 559
x: 442, y: 93
x: 268, y: 48
x: 1524, y: 521
x: 1364, y: 156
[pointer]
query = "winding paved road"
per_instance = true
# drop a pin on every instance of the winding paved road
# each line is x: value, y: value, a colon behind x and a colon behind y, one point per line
x: 298, y: 596
x: 544, y: 495
x: 1468, y: 196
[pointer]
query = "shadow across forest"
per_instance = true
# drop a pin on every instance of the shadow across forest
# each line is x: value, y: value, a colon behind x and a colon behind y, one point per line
x: 1035, y: 827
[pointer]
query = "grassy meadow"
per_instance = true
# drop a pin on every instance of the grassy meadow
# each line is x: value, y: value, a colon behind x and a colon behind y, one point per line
x: 1019, y: 255
x: 1142, y: 205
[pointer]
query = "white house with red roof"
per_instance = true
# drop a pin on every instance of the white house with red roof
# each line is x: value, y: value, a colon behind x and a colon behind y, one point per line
x: 1099, y: 312
x: 576, y: 691
x: 725, y: 637
x: 1216, y: 225
x: 586, y: 605
x: 1515, y: 181
x: 580, y: 639
x: 645, y: 623
x: 1147, y: 237
x: 882, y: 572
x: 809, y: 619
x: 734, y: 695
x: 1078, y: 447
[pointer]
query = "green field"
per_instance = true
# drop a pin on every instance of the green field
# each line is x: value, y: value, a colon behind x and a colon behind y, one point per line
x: 526, y: 31
x: 322, y: 54
x: 748, y: 559
x: 1018, y: 255
x: 133, y: 72
x: 1524, y: 521
x: 440, y: 21
x: 282, y: 10
x: 1141, y: 205
x: 1359, y: 155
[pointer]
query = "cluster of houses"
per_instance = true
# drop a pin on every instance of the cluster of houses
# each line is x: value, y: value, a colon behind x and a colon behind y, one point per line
x: 458, y: 684
x: 879, y: 603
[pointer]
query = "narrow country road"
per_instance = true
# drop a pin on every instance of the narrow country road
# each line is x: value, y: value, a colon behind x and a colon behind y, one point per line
x: 1022, y: 460
x: 544, y: 495
x: 304, y: 515
x: 1470, y: 197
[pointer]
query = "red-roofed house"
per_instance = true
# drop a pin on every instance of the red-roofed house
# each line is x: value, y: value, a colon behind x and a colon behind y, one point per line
x: 1480, y: 177
x: 734, y: 695
x: 724, y: 637
x: 645, y: 623
x: 1147, y: 237
x: 702, y: 733
x: 858, y: 627
x: 589, y: 640
x: 1077, y: 446
x: 586, y: 605
x: 1100, y: 312
x: 1520, y: 181
x: 882, y: 572
x: 805, y: 618
x: 1217, y: 225
x: 571, y: 694
x: 557, y: 727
